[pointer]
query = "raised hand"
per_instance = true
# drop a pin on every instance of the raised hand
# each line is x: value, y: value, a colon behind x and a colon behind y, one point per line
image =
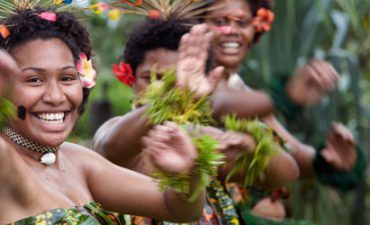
x: 193, y: 54
x: 311, y: 82
x: 169, y: 149
x: 340, y: 149
x: 8, y: 70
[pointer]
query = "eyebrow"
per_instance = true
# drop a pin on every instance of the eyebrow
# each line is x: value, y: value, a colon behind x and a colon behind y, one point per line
x: 41, y: 70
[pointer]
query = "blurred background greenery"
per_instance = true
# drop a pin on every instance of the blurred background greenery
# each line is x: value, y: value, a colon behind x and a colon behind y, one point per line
x: 334, y: 30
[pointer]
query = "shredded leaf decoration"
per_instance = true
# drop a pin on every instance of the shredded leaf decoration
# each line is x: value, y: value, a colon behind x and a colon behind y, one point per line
x: 253, y: 164
x: 167, y: 103
x: 7, y: 110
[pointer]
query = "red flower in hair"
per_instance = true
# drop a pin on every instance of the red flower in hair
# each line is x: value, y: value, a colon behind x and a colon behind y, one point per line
x: 4, y: 31
x: 124, y: 73
x: 137, y: 3
x: 154, y: 14
x: 262, y: 22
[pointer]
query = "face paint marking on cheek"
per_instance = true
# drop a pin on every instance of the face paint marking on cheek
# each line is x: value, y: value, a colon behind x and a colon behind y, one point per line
x: 21, y: 112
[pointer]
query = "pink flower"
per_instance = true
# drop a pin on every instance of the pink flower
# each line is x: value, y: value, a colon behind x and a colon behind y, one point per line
x: 86, y: 71
x: 50, y: 16
x: 124, y: 74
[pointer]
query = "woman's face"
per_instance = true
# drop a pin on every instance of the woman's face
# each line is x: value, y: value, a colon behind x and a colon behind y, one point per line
x: 48, y: 87
x: 234, y: 32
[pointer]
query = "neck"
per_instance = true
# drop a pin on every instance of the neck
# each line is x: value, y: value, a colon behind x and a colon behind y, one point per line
x: 47, y: 153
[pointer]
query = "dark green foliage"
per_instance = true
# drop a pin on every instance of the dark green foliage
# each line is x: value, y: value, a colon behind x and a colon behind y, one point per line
x: 7, y: 110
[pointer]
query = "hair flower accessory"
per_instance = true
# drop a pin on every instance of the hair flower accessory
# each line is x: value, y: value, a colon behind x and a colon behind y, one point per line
x: 263, y: 20
x: 4, y: 31
x: 137, y: 3
x: 99, y: 8
x: 86, y: 71
x: 50, y: 16
x: 114, y: 14
x: 58, y: 2
x: 124, y: 74
x: 154, y: 14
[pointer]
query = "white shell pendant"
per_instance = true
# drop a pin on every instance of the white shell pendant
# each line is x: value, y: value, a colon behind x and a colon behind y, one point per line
x: 48, y: 158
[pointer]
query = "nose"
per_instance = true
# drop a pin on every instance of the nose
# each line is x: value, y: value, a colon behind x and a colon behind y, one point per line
x: 234, y: 27
x: 54, y: 94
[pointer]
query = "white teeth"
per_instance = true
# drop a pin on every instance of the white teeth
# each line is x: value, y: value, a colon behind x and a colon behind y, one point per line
x: 51, y: 117
x: 230, y: 45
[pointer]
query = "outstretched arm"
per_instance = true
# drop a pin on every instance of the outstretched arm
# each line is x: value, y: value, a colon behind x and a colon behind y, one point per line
x: 8, y: 71
x: 306, y: 87
x: 339, y: 151
x: 281, y: 169
x: 119, y: 139
x: 168, y: 149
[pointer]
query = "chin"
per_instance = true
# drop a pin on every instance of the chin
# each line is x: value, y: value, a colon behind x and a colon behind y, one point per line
x: 52, y: 139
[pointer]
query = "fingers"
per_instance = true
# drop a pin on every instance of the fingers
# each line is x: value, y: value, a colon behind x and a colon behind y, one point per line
x: 323, y: 73
x: 196, y: 43
x: 193, y: 54
x: 215, y: 76
x: 338, y: 130
x: 8, y: 70
x: 7, y: 64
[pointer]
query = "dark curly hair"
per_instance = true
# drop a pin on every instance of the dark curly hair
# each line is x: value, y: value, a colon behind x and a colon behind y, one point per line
x: 25, y: 25
x: 150, y: 35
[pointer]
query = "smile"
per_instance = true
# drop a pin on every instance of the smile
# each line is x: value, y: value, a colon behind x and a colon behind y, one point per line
x: 232, y: 45
x: 51, y: 118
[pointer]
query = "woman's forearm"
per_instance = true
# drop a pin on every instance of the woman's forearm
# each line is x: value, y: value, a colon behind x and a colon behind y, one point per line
x: 119, y: 139
x: 245, y: 104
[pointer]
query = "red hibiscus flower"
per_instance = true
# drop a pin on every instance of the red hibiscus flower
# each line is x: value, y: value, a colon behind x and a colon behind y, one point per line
x: 262, y: 22
x: 124, y: 73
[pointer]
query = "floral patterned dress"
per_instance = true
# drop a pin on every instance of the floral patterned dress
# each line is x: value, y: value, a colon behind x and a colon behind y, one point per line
x: 218, y: 210
x: 89, y: 214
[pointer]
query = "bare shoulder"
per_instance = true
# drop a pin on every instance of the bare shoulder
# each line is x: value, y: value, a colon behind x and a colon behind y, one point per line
x: 83, y: 157
x: 78, y: 152
x: 5, y: 149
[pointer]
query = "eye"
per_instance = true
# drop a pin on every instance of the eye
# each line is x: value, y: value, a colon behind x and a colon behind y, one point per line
x: 219, y: 21
x: 244, y: 22
x: 34, y: 80
x: 69, y: 76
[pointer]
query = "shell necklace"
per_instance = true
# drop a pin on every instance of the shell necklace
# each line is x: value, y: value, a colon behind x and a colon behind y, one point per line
x: 48, y: 157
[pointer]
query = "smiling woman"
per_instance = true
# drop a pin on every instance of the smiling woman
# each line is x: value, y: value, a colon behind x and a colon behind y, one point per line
x: 45, y: 180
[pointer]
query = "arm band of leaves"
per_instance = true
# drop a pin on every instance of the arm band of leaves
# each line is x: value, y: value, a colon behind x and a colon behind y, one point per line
x: 167, y: 103
x: 253, y: 164
x: 282, y: 101
x: 342, y: 180
x: 7, y: 110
